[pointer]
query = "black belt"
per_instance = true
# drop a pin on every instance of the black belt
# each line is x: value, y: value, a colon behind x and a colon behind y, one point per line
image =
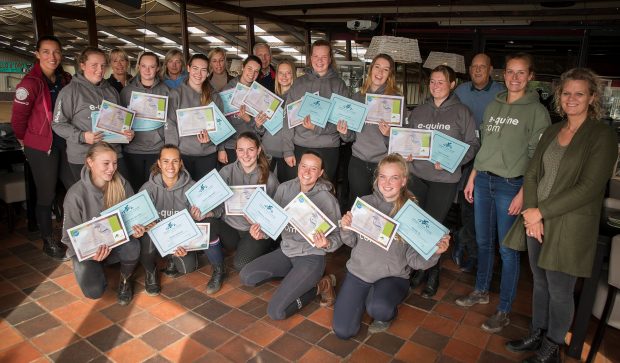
x: 499, y: 176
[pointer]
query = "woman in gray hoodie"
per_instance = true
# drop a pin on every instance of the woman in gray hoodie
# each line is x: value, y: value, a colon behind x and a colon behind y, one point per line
x: 435, y: 187
x: 74, y: 107
x: 198, y: 152
x: 321, y: 77
x: 299, y: 264
x: 141, y: 152
x: 378, y: 280
x: 99, y: 188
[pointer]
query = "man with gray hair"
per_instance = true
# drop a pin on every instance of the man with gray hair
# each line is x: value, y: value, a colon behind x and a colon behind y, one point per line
x: 267, y: 75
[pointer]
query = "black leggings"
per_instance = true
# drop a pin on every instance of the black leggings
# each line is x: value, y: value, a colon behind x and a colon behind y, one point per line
x: 90, y: 274
x: 199, y: 166
x: 46, y: 169
x: 139, y: 166
x: 298, y: 287
x: 149, y: 256
x: 330, y: 156
x: 361, y: 178
x: 247, y: 248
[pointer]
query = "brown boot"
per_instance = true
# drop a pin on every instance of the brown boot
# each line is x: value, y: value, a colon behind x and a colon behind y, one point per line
x: 325, y: 288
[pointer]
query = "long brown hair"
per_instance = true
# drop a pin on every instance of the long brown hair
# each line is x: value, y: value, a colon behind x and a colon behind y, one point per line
x: 155, y: 169
x: 206, y: 94
x: 114, y: 190
x: 390, y: 84
x: 404, y: 194
x: 262, y: 161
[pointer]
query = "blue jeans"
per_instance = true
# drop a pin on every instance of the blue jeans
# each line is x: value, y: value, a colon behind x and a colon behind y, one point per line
x: 492, y: 197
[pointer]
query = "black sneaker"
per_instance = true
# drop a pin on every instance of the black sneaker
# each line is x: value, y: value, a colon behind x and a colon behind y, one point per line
x: 217, y: 278
x: 152, y: 286
x: 125, y: 291
x: 496, y: 322
x: 54, y: 250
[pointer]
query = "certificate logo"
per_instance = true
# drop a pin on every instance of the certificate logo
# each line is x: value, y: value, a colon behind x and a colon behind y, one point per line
x: 358, y: 205
x: 126, y: 209
x: 316, y: 104
x: 425, y: 222
x: 105, y: 106
x: 170, y: 226
x: 269, y: 208
x: 447, y: 145
x: 301, y: 199
x: 75, y: 233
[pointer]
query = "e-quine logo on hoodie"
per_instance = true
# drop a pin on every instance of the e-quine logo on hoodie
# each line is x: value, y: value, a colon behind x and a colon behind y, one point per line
x: 495, y: 122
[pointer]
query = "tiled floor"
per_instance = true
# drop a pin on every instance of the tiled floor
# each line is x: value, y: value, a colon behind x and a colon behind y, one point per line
x: 44, y: 317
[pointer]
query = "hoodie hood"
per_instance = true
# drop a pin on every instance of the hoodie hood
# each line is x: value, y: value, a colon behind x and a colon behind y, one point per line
x: 137, y: 82
x: 169, y: 201
x: 530, y: 97
x: 88, y: 183
x: 331, y: 73
x: 447, y: 103
x: 80, y: 79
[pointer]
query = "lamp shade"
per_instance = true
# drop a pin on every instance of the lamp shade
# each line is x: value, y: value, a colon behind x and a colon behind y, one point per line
x: 454, y: 61
x: 236, y: 66
x: 402, y: 50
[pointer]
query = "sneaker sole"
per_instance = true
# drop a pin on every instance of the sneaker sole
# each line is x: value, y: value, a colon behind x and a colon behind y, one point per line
x: 495, y: 330
x: 459, y: 303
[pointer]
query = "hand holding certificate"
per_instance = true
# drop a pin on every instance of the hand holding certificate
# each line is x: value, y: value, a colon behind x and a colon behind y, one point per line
x: 352, y: 112
x: 412, y: 143
x: 135, y: 210
x: 275, y: 123
x: 241, y: 194
x: 237, y: 99
x: 419, y: 229
x: 191, y: 121
x: 263, y: 210
x: 385, y: 108
x: 87, y: 237
x: 208, y: 192
x: 202, y: 242
x: 224, y: 128
x: 108, y: 137
x: 174, y: 231
x: 307, y: 218
x: 447, y: 151
x: 114, y: 118
x: 261, y: 99
x: 226, y: 97
x: 372, y: 224
x: 316, y: 107
x: 148, y: 106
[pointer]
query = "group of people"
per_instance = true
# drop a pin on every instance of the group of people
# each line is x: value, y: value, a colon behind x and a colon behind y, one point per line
x: 532, y: 186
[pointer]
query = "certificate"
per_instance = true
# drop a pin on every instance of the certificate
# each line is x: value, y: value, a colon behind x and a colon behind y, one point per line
x: 114, y: 118
x: 307, y: 218
x: 275, y: 123
x: 241, y: 194
x: 135, y: 210
x: 385, y: 108
x: 208, y: 192
x: 106, y: 230
x: 372, y: 224
x: 224, y: 128
x: 292, y: 117
x: 226, y: 97
x: 148, y: 106
x: 411, y: 142
x: 419, y: 229
x: 316, y: 107
x: 263, y: 210
x: 447, y: 151
x: 260, y: 99
x: 108, y: 137
x: 353, y: 112
x: 202, y: 242
x: 174, y: 231
x: 237, y: 99
x: 191, y: 121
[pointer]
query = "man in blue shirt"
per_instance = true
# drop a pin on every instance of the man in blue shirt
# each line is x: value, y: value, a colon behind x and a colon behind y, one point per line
x: 267, y: 75
x: 476, y: 95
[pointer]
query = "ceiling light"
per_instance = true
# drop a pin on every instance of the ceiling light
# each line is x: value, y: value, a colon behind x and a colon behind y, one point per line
x: 165, y: 40
x: 212, y: 39
x: 147, y: 32
x: 194, y: 30
x: 270, y: 39
x: 105, y: 33
x: 287, y: 49
x: 257, y: 29
x: 231, y: 49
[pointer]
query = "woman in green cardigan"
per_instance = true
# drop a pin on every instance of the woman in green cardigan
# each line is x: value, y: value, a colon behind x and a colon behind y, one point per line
x: 563, y: 189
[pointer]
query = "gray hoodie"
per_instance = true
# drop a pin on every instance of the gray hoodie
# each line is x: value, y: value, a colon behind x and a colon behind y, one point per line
x: 371, y: 263
x: 186, y: 97
x: 233, y: 174
x: 319, y: 137
x: 369, y: 145
x: 144, y: 142
x: 294, y: 244
x: 169, y: 201
x: 72, y: 111
x: 238, y: 123
x: 453, y: 119
x: 83, y: 202
x: 273, y: 144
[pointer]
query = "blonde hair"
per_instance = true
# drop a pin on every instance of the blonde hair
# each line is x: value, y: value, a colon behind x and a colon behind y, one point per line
x: 390, y: 84
x: 595, y: 88
x: 404, y: 195
x: 114, y: 190
x: 167, y: 58
x: 278, y: 88
x: 146, y: 54
x: 118, y: 52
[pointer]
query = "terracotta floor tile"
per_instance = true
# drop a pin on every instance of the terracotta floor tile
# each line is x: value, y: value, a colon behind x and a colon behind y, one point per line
x: 420, y: 302
x: 56, y: 300
x: 289, y: 347
x: 7, y: 288
x: 439, y: 325
x: 488, y: 357
x: 144, y: 301
x: 286, y: 324
x: 338, y: 346
x: 161, y: 337
x: 472, y: 335
x: 23, y: 313
x: 41, y: 290
x: 462, y: 351
x: 474, y: 319
x: 109, y: 338
x: 140, y: 323
x: 235, y: 298
x: 450, y: 311
x: 28, y: 280
x: 65, y: 281
x: 9, y: 337
x: 497, y: 344
x: 38, y: 325
x: 54, y: 339
x: 192, y: 299
x: 20, y: 352
x: 12, y: 300
x: 366, y: 354
x: 118, y: 312
x: 413, y: 352
x: 212, y: 336
x: 407, y: 321
x: 430, y: 339
x: 310, y: 331
x: 188, y: 323
x: 239, y: 350
x: 315, y: 355
x: 87, y: 325
x: 261, y: 333
x: 323, y: 317
x: 167, y: 310
x: 212, y: 309
x: 184, y: 350
x: 256, y: 307
x: 213, y: 357
x: 236, y: 320
x: 134, y: 350
x: 72, y: 310
x: 385, y: 342
x: 268, y: 356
